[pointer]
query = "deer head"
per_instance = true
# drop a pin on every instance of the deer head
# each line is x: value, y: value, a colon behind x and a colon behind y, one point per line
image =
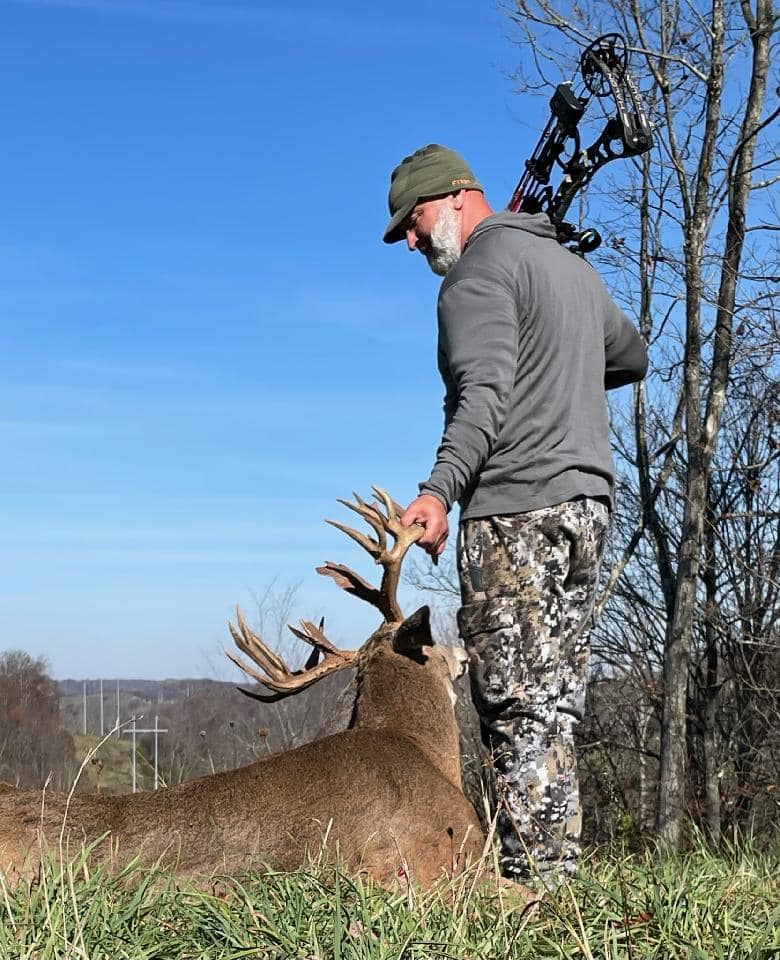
x: 406, y: 636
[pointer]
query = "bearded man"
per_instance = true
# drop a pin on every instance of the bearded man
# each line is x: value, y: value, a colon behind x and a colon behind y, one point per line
x: 529, y: 340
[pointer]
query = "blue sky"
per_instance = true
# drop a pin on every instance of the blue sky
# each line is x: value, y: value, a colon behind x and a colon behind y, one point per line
x: 203, y: 340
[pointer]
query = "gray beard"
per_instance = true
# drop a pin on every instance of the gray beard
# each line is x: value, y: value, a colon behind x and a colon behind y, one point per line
x: 444, y: 250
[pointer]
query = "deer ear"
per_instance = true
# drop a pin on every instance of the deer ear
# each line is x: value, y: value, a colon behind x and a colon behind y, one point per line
x: 414, y: 632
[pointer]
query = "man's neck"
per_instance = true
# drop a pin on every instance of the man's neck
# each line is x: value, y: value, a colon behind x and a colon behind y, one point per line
x: 475, y: 210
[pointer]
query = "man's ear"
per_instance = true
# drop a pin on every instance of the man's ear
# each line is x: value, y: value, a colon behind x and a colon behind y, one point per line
x: 458, y: 199
x: 414, y: 633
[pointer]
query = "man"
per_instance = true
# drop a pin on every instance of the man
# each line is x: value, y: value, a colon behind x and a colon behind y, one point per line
x: 529, y: 340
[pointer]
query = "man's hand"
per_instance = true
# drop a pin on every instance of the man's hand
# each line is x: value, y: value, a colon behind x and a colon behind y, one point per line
x: 428, y: 511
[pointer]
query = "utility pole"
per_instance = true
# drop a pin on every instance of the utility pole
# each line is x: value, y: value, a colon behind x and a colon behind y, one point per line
x: 156, y: 752
x: 134, y: 731
x: 101, y: 707
x: 84, y: 707
x: 156, y: 730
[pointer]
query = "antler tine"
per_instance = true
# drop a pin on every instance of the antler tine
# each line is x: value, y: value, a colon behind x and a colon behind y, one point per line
x: 249, y: 671
x: 371, y: 546
x: 253, y: 646
x: 314, y: 657
x: 371, y: 515
x: 352, y: 582
x: 335, y: 659
x: 264, y: 677
x: 275, y: 672
x: 392, y: 508
x: 314, y: 636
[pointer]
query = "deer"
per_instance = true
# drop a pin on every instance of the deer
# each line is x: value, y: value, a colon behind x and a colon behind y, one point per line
x: 385, y: 794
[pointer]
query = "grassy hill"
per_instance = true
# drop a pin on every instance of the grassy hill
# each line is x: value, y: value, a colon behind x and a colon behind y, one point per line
x: 110, y: 765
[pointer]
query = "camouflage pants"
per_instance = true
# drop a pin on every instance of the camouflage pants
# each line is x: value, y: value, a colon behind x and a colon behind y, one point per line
x: 528, y: 583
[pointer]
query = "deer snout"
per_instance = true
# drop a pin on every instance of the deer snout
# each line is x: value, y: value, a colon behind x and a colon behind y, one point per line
x: 457, y: 660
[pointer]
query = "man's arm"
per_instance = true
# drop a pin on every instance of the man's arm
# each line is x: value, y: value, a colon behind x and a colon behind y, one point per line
x: 478, y: 336
x: 478, y: 331
x: 624, y: 351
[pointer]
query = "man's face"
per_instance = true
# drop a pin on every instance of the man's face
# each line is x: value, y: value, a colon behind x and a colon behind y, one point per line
x: 433, y: 227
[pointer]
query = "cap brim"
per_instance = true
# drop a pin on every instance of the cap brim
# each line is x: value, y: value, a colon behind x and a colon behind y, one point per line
x: 393, y: 233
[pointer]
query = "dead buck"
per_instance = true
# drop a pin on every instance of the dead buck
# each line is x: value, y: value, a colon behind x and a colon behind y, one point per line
x: 386, y: 793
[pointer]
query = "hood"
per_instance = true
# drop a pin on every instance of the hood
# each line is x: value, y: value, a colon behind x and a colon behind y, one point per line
x: 536, y: 223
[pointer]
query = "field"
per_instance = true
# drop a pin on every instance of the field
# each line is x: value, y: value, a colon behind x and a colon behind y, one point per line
x: 113, y: 773
x: 693, y: 907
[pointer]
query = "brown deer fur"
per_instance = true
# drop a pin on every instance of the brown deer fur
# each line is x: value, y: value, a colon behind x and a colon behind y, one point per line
x: 386, y: 793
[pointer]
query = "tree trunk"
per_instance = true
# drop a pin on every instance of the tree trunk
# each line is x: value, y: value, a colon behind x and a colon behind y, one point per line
x: 711, y: 688
x: 701, y: 441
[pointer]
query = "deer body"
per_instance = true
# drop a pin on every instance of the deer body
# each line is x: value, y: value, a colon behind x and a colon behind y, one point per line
x: 385, y: 794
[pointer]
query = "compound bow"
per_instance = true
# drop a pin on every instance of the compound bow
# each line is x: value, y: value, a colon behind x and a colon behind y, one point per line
x: 604, y: 70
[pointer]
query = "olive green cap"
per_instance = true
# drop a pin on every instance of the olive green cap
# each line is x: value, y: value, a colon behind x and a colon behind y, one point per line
x: 431, y: 171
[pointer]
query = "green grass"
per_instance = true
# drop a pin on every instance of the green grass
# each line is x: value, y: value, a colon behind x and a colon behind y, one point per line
x: 692, y: 907
x: 115, y: 756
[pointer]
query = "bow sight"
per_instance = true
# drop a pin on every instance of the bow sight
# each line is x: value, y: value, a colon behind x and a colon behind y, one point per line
x: 604, y: 70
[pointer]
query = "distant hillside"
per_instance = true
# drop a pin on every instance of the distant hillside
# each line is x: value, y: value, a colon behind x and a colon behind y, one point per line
x: 149, y: 689
x: 132, y: 697
x: 204, y: 725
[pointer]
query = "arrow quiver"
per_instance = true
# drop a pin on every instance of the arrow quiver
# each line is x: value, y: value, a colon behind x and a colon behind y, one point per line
x: 627, y: 133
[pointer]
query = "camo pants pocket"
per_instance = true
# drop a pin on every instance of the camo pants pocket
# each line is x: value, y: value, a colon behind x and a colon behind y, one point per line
x: 513, y: 670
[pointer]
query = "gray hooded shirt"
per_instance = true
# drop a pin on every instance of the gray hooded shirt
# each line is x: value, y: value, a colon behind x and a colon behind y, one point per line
x: 529, y: 339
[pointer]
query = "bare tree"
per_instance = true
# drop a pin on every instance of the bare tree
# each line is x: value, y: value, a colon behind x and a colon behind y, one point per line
x: 737, y: 678
x: 690, y: 248
x: 33, y: 747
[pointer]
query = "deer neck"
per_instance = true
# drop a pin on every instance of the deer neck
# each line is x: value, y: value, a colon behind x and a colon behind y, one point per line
x: 412, y: 699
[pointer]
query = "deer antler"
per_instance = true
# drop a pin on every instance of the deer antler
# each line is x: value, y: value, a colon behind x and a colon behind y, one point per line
x: 390, y: 558
x: 275, y: 673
